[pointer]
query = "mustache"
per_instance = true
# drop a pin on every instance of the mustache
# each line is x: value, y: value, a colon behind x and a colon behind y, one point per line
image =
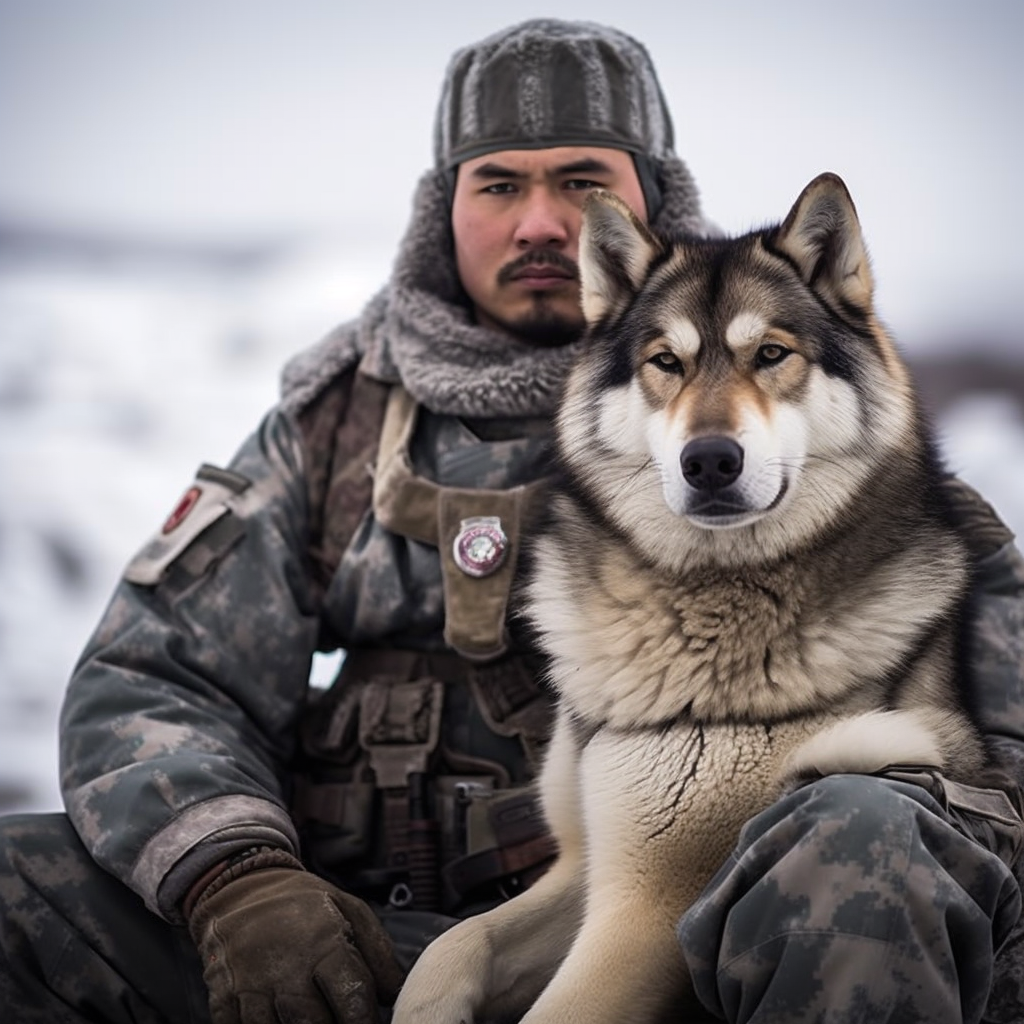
x: 538, y: 258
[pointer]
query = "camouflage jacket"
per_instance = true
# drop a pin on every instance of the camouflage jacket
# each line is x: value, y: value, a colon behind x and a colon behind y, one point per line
x: 179, y: 724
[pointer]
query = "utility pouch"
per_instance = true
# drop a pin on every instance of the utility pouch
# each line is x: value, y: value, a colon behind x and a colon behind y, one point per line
x: 508, y: 845
x: 382, y: 801
x: 512, y: 703
x: 476, y: 590
x: 329, y: 731
x: 399, y: 726
x: 332, y: 799
x: 338, y: 817
x: 986, y: 815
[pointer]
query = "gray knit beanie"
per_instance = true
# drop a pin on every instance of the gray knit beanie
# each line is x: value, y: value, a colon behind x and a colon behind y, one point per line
x: 547, y: 83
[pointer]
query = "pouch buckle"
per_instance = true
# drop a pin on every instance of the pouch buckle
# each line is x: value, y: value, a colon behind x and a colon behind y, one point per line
x: 399, y: 727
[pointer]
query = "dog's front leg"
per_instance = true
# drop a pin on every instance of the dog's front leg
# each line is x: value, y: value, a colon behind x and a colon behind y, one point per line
x: 492, y: 967
x: 662, y: 810
x: 624, y: 966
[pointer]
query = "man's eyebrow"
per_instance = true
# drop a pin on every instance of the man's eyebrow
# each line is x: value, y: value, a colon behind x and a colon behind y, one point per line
x: 588, y: 165
x: 491, y: 170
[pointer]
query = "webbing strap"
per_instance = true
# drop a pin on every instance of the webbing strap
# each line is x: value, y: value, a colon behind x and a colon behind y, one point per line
x: 478, y: 869
x: 412, y: 506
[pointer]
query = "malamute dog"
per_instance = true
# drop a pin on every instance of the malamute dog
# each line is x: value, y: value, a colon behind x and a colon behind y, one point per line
x: 750, y: 578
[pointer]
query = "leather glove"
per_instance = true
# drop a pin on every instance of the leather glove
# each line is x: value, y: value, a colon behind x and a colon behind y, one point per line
x: 282, y: 946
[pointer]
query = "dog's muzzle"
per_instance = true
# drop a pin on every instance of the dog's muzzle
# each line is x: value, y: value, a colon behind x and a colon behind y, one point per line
x: 716, y: 493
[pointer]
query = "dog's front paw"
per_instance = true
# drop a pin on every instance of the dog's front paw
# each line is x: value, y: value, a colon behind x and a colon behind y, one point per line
x: 420, y: 1001
x: 419, y: 1007
x: 444, y: 984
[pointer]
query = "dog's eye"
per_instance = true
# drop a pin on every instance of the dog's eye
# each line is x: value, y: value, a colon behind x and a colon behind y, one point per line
x: 667, y: 362
x: 771, y: 355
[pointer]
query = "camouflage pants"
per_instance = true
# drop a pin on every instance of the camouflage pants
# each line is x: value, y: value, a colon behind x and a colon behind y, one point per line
x: 854, y: 901
x: 76, y: 945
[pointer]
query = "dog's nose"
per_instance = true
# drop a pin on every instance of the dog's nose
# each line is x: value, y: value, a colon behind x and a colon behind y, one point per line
x: 711, y: 463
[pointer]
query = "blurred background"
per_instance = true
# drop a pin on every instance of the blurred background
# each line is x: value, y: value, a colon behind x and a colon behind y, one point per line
x: 192, y: 192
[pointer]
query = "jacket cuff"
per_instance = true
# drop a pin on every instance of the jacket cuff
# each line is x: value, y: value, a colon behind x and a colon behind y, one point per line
x: 255, y: 858
x: 199, y: 838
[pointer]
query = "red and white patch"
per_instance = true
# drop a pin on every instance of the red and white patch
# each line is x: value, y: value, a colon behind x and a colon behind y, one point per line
x: 188, y: 501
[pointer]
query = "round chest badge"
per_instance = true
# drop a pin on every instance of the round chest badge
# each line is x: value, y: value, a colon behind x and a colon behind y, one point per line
x: 480, y: 546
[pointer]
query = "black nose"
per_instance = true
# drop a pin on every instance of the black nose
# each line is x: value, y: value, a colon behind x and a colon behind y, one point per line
x: 711, y: 463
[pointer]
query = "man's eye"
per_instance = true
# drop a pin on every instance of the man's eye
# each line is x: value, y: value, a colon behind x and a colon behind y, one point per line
x: 667, y: 363
x: 499, y: 188
x: 771, y: 355
x: 574, y: 184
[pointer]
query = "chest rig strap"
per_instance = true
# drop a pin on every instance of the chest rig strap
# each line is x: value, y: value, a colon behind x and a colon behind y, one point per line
x: 414, y: 507
x: 399, y: 728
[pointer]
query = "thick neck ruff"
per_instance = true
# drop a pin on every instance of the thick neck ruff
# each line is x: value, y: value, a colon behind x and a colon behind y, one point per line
x: 418, y: 330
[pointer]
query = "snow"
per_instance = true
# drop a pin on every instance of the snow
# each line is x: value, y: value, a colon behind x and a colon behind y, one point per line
x: 117, y: 380
x: 115, y: 384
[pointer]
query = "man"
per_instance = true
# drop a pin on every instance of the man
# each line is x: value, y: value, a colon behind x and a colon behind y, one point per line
x: 227, y: 831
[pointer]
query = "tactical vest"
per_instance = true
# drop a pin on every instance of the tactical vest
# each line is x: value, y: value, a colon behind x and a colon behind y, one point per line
x: 387, y: 799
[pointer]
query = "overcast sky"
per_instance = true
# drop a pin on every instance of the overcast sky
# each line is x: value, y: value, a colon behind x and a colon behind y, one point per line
x: 229, y: 119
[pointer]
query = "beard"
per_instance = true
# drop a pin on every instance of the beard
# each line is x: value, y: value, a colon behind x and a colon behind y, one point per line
x: 543, y: 325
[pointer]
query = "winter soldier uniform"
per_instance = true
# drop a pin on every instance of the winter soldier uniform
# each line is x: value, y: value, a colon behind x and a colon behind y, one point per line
x: 381, y: 508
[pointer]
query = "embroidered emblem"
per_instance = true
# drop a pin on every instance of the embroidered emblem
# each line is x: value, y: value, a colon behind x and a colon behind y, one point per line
x: 189, y: 500
x: 480, y: 546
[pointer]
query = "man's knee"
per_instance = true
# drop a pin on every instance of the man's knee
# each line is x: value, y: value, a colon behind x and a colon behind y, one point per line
x: 854, y: 870
x: 838, y: 818
x: 75, y: 938
x: 843, y: 847
x: 36, y: 850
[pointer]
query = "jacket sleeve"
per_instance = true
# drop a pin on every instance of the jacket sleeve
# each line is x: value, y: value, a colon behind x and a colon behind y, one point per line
x: 996, y: 647
x: 998, y: 654
x: 181, y: 715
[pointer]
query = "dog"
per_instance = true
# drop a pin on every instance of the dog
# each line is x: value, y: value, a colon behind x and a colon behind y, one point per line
x: 750, y: 577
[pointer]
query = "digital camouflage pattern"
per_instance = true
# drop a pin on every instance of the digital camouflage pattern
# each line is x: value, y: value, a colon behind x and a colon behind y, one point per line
x: 76, y: 945
x: 217, y: 654
x: 852, y: 901
x: 182, y: 711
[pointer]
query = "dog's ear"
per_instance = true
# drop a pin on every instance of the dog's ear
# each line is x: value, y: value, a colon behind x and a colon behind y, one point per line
x: 616, y: 250
x: 823, y: 238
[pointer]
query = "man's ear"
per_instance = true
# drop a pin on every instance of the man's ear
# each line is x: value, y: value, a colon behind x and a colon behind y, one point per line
x: 616, y: 251
x: 823, y: 238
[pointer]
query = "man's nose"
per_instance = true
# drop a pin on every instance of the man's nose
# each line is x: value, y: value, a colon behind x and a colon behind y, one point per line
x: 546, y: 221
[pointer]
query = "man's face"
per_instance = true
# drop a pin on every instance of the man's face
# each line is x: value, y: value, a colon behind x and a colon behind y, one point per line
x: 516, y: 221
